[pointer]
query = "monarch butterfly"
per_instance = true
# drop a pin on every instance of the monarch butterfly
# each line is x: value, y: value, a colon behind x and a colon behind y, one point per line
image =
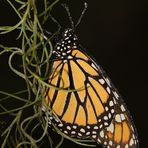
x: 87, y: 103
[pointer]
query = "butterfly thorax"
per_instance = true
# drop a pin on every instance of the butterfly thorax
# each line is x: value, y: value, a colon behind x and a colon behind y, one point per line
x: 65, y: 46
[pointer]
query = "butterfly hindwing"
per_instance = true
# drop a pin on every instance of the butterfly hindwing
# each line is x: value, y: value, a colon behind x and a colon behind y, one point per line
x: 121, y: 132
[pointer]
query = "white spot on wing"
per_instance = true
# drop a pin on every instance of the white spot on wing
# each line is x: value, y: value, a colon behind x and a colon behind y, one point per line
x: 118, y: 118
x: 108, y: 81
x: 111, y: 128
x: 106, y: 108
x: 101, y: 81
x: 132, y: 128
x: 105, y: 118
x: 93, y: 66
x: 65, y: 132
x: 101, y: 126
x: 94, y: 136
x: 115, y: 94
x: 79, y: 134
x: 94, y: 132
x: 122, y: 117
x: 122, y: 108
x: 99, y: 140
x: 109, y: 115
x: 111, y: 103
x: 126, y: 146
x: 68, y: 51
x: 74, y: 126
x: 69, y: 57
x: 63, y: 53
x: 88, y: 126
x: 108, y: 90
x: 112, y: 111
x: 73, y: 132
x: 115, y: 102
x: 134, y: 136
x: 60, y: 125
x: 95, y: 127
x: 82, y: 130
x: 88, y: 133
x: 64, y: 61
x: 110, y: 143
x: 74, y: 46
x: 68, y: 127
x: 131, y: 142
x: 102, y: 134
x: 105, y: 123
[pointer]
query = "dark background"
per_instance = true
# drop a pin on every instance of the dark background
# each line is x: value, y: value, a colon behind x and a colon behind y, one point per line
x: 116, y: 34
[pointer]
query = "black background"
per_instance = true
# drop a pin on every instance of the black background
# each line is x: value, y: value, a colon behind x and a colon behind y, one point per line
x: 116, y: 34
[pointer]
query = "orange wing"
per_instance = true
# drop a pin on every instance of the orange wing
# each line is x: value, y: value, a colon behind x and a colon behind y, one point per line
x: 84, y: 99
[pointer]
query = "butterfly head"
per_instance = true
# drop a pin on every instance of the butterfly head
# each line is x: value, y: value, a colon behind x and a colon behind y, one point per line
x: 68, y: 33
x: 65, y: 46
x: 69, y: 36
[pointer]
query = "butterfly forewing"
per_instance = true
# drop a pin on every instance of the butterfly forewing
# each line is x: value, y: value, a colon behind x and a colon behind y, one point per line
x: 82, y: 98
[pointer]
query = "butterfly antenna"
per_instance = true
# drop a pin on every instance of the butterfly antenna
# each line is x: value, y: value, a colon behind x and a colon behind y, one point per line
x: 56, y: 22
x: 69, y: 15
x: 82, y: 14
